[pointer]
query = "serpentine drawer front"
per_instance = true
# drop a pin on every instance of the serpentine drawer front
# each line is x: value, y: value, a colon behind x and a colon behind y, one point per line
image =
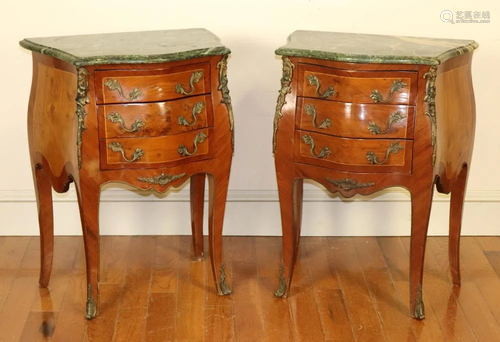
x: 135, y: 120
x: 156, y: 85
x: 355, y: 86
x: 362, y: 113
x: 375, y: 155
x: 151, y: 109
x: 128, y: 153
x: 354, y: 120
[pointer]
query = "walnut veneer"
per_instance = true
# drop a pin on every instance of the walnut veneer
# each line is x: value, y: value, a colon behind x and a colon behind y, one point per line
x: 150, y: 109
x: 361, y: 113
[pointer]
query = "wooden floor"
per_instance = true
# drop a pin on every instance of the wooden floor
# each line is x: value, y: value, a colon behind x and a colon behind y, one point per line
x: 345, y: 289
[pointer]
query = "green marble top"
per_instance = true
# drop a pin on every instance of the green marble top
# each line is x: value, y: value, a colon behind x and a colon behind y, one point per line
x: 369, y: 48
x: 129, y: 47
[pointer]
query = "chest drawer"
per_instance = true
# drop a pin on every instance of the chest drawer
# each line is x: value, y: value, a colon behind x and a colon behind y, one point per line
x: 133, y: 153
x: 352, y: 120
x: 155, y: 119
x: 398, y: 87
x: 125, y: 86
x: 363, y: 155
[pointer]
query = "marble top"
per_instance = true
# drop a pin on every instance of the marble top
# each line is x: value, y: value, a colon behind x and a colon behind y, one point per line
x: 129, y: 47
x: 369, y: 48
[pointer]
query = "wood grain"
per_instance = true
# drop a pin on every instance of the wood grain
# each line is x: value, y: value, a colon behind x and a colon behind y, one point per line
x: 351, y: 120
x: 345, y: 289
x: 158, y: 151
x: 339, y: 157
x: 159, y: 118
x: 69, y: 143
x: 350, y: 154
x: 356, y: 86
x: 154, y: 85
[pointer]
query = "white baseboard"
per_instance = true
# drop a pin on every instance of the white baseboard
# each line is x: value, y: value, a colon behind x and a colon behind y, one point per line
x: 253, y: 212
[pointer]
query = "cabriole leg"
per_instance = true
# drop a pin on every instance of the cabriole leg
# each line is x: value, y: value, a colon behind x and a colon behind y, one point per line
x: 421, y: 210
x: 456, y: 210
x: 197, y: 190
x: 88, y: 200
x: 290, y: 198
x: 217, y: 205
x: 43, y: 191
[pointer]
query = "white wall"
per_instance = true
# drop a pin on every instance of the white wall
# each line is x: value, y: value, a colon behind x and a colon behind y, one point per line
x: 253, y: 30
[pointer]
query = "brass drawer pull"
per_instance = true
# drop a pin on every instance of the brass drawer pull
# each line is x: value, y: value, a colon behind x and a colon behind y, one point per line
x: 117, y: 147
x: 162, y: 179
x: 311, y: 111
x: 136, y: 126
x: 200, y: 137
x: 197, y: 108
x: 393, y: 148
x: 195, y: 78
x: 325, y: 151
x: 113, y: 84
x: 314, y: 81
x: 376, y: 96
x: 393, y: 118
x: 349, y: 184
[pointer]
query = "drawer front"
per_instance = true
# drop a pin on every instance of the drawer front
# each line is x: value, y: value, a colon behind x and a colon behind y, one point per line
x: 130, y: 153
x: 363, y: 155
x: 398, y: 87
x: 155, y: 119
x: 353, y: 120
x: 127, y: 86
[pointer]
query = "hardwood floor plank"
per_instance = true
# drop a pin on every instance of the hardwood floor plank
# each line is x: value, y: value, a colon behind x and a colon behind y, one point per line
x: 360, y: 306
x: 39, y: 327
x: 219, y: 323
x: 114, y: 252
x: 71, y: 320
x: 494, y: 260
x: 397, y: 261
x: 482, y: 272
x: 438, y: 291
x: 329, y: 297
x: 12, y: 251
x: 278, y: 324
x: 140, y: 252
x: 489, y: 243
x: 136, y: 289
x: 334, y: 316
x: 130, y: 325
x: 102, y: 328
x: 31, y: 259
x: 248, y: 316
x: 394, y: 318
x: 269, y: 252
x: 165, y: 265
x: 305, y: 317
x: 189, y: 324
x: 477, y: 312
x: 50, y: 298
x: 468, y: 296
x: 303, y: 303
x: 17, y: 305
x: 344, y: 289
x: 246, y: 287
x: 160, y: 325
x: 134, y: 300
x: 248, y: 319
x: 323, y: 272
x: 138, y: 274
